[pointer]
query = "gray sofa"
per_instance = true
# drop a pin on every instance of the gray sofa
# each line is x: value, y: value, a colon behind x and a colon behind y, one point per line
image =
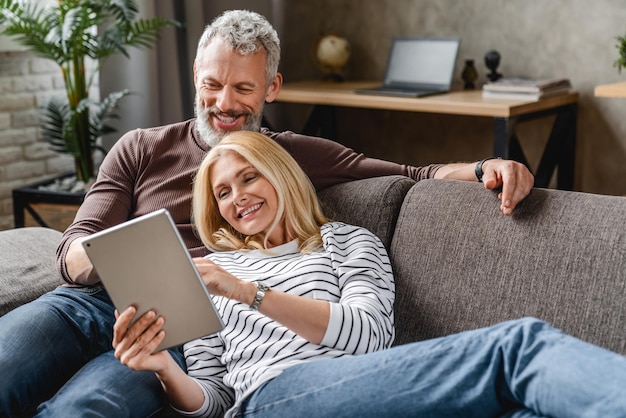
x: 459, y: 263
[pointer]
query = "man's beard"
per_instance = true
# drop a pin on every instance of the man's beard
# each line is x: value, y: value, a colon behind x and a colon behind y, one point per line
x: 212, y: 136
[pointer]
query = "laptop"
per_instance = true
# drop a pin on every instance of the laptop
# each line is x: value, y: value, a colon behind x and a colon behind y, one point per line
x: 418, y: 67
x: 144, y: 262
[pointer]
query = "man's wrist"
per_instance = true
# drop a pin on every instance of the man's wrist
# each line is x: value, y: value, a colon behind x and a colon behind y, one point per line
x: 478, y: 169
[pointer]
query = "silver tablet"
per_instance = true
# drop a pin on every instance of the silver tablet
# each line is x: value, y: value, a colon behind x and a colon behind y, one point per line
x: 144, y: 262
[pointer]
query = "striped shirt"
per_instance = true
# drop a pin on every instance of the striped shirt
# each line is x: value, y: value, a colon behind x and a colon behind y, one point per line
x: 352, y: 271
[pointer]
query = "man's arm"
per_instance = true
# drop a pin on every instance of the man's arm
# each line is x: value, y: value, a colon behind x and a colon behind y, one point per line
x: 327, y: 162
x: 514, y: 178
x: 107, y: 203
x: 78, y: 266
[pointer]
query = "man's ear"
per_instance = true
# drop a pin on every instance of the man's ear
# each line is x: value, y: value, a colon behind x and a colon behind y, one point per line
x: 274, y: 88
x: 195, y: 74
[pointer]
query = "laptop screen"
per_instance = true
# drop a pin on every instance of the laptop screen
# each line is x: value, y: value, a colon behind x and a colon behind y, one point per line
x: 421, y: 61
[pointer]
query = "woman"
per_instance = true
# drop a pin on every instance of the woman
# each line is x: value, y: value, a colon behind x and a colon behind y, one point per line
x: 308, y: 312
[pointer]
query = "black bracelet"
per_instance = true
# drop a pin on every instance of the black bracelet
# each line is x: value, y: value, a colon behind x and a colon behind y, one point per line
x: 478, y: 170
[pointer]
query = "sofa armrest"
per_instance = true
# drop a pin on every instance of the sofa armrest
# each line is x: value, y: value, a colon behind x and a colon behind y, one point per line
x: 27, y: 265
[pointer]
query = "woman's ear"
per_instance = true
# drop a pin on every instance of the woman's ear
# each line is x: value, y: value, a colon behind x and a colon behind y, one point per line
x: 274, y: 88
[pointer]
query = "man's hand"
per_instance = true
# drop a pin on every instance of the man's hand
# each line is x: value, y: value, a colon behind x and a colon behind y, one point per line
x: 514, y: 178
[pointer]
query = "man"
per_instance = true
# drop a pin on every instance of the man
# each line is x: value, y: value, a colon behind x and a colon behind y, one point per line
x: 235, y: 73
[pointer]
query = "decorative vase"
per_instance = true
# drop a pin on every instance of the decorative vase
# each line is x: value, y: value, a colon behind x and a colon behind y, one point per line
x: 469, y: 75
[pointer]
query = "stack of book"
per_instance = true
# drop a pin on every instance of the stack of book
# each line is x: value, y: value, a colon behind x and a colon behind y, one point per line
x: 525, y: 88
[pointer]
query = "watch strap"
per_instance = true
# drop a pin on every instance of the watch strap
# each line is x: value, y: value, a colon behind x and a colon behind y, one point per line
x: 478, y: 170
x: 261, y: 289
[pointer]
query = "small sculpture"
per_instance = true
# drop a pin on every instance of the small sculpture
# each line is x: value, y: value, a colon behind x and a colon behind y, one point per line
x: 331, y: 54
x: 492, y: 60
x: 469, y: 75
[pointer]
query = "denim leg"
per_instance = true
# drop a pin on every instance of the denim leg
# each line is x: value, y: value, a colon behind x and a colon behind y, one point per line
x: 65, y: 336
x: 44, y: 342
x: 487, y: 372
x: 106, y: 388
x: 521, y: 413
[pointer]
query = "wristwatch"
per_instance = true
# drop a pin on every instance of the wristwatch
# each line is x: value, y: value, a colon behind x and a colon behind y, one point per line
x: 260, y: 294
x: 478, y: 170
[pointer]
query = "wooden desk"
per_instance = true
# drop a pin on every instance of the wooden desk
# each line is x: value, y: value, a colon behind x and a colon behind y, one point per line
x: 559, y: 150
x: 611, y: 90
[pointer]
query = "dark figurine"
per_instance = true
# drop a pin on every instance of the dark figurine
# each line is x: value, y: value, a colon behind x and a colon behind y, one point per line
x: 469, y: 75
x: 492, y: 60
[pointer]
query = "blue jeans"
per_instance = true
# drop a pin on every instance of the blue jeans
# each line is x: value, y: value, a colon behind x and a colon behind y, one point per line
x: 522, y: 368
x: 57, y: 350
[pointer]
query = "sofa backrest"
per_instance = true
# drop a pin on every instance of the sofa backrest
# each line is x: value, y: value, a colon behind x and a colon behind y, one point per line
x: 461, y: 264
x: 371, y: 203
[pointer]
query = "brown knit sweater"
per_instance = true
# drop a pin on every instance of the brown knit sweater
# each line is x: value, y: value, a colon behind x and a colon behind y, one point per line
x: 150, y: 169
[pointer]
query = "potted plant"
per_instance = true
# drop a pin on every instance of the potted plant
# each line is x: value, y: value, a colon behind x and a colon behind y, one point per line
x: 79, y: 35
x: 621, y: 47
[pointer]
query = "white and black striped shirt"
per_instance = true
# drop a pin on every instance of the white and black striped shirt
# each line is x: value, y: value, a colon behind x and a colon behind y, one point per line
x: 352, y: 272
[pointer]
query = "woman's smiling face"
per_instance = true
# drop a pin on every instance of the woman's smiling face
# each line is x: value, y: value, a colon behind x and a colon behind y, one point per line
x: 246, y: 199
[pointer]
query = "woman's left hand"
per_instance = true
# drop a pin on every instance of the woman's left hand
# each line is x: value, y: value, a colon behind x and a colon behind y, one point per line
x: 221, y: 283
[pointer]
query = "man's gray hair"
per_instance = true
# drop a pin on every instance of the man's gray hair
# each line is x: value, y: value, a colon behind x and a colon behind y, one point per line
x: 247, y: 33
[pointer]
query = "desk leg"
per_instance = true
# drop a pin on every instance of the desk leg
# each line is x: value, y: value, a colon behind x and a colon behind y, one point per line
x: 567, y: 160
x: 321, y: 122
x: 505, y: 142
x: 503, y: 131
x: 559, y: 153
x: 18, y: 210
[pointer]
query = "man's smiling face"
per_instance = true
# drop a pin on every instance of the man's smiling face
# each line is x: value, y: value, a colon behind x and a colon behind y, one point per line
x: 231, y: 90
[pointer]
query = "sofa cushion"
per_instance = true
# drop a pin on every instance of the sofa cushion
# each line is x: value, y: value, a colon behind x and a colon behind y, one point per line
x: 27, y: 265
x: 461, y: 264
x: 371, y: 203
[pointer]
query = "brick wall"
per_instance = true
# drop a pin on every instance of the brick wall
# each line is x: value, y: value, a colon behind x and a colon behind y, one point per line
x: 26, y: 83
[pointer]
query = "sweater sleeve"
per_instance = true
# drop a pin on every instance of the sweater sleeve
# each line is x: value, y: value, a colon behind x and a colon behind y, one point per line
x: 204, y: 366
x: 108, y: 202
x: 362, y: 320
x: 327, y: 162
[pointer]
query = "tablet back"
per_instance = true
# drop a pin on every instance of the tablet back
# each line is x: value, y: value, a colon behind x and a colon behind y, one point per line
x: 143, y: 262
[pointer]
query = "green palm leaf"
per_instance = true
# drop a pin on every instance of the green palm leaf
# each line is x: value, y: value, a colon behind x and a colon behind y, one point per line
x: 620, y: 63
x: 69, y: 33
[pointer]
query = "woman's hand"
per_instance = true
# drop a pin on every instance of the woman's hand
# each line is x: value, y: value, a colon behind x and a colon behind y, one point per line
x: 135, y: 345
x: 221, y: 283
x: 304, y: 316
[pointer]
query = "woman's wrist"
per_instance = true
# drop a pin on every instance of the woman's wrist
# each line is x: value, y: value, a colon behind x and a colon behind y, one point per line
x: 261, y: 290
x: 247, y: 292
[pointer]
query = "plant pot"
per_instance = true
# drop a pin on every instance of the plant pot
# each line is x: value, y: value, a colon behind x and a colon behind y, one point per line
x: 34, y: 206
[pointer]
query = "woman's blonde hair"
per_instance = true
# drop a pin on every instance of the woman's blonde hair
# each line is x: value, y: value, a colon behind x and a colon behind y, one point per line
x: 298, y: 206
